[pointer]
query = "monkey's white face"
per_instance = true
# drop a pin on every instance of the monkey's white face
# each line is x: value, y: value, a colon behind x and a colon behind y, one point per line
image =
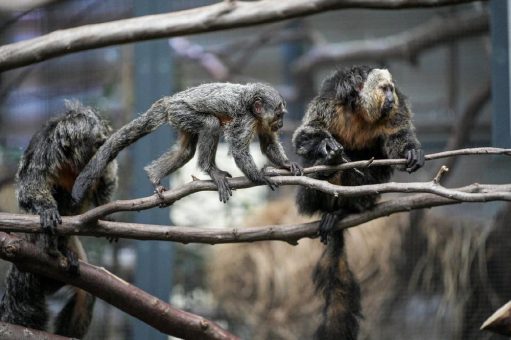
x: 378, y: 96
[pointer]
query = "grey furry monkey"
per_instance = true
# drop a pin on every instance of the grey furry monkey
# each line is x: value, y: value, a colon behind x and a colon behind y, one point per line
x: 359, y: 113
x: 53, y: 159
x: 201, y: 114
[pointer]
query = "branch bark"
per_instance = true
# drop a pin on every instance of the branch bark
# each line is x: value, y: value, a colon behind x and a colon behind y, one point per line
x: 406, y: 45
x: 288, y: 233
x: 224, y: 15
x: 115, y: 291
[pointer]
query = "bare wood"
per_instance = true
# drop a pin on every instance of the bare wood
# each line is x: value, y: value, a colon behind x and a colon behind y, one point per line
x: 223, y: 15
x: 112, y: 289
x: 500, y: 321
x: 406, y: 45
x: 11, y: 331
x: 288, y: 233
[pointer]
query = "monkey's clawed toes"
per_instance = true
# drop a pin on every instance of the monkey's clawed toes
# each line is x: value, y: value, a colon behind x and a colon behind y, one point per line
x: 49, y: 220
x: 269, y: 182
x: 326, y: 226
x: 414, y: 159
x: 219, y: 177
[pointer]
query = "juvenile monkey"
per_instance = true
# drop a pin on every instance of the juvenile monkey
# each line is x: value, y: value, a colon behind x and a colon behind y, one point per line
x: 201, y: 114
x: 361, y: 113
x: 53, y: 159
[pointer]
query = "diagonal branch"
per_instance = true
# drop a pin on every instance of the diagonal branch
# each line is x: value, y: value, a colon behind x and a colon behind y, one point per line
x: 112, y: 289
x: 223, y: 15
x: 405, y: 45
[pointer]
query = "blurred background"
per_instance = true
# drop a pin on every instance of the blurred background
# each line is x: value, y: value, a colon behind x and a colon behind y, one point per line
x: 435, y: 274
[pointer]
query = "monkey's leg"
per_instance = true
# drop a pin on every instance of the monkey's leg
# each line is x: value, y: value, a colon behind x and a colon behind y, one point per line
x: 171, y: 160
x: 208, y: 143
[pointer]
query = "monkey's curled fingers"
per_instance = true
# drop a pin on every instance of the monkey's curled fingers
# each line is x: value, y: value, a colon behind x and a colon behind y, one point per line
x: 219, y: 177
x: 414, y: 159
x: 327, y: 224
x: 49, y: 218
x: 330, y: 148
x: 295, y: 168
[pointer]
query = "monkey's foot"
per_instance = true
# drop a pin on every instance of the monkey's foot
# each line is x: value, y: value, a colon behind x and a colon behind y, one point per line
x: 326, y: 226
x: 49, y: 219
x: 219, y: 177
x: 269, y: 182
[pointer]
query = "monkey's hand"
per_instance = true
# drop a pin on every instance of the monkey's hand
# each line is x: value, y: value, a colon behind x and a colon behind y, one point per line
x: 414, y: 159
x: 49, y: 218
x: 331, y: 150
x: 295, y: 168
x: 219, y: 177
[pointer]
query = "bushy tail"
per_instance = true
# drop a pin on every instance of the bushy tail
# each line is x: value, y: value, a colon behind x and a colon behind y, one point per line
x: 128, y: 134
x: 74, y: 319
x: 337, y: 284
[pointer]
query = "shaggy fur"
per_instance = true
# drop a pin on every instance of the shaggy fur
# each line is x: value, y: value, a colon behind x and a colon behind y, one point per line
x: 54, y: 158
x: 202, y: 114
x: 358, y: 114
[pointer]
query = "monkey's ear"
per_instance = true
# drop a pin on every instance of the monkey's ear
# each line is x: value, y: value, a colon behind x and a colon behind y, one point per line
x: 359, y: 87
x: 257, y: 106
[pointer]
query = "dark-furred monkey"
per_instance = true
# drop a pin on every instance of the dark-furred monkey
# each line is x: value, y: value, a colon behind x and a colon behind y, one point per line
x: 53, y: 159
x: 360, y: 113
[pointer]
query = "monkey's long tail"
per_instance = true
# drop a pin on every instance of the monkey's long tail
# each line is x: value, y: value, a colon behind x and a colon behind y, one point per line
x: 75, y: 317
x: 338, y: 286
x: 128, y: 134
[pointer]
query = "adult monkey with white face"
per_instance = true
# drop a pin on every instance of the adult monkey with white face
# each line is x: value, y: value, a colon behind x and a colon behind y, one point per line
x: 358, y: 114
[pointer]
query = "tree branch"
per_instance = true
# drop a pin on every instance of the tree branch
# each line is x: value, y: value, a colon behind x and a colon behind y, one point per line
x: 115, y: 291
x: 224, y: 15
x: 289, y: 233
x: 406, y: 45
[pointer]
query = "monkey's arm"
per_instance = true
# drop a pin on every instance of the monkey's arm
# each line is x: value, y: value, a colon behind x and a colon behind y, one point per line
x: 239, y: 136
x: 271, y: 147
x: 316, y: 143
x: 35, y: 195
x: 404, y: 144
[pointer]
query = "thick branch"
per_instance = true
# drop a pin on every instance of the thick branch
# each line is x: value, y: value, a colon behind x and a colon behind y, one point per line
x: 224, y: 15
x: 288, y: 233
x: 115, y: 291
x: 406, y: 45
